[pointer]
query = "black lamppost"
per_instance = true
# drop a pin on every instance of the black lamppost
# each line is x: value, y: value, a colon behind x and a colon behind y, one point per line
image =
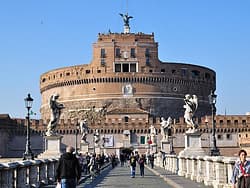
x: 28, y: 153
x: 77, y: 130
x: 214, y: 151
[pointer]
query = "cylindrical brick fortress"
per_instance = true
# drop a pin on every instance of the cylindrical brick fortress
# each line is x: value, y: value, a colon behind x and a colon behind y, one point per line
x: 125, y: 72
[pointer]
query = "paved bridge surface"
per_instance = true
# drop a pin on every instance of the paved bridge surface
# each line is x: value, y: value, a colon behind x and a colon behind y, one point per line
x: 120, y: 177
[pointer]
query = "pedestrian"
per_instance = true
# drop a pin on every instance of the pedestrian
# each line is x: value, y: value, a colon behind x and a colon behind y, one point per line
x: 68, y: 171
x: 241, y: 171
x: 151, y: 160
x: 163, y: 158
x: 132, y: 162
x: 91, y: 165
x: 141, y: 162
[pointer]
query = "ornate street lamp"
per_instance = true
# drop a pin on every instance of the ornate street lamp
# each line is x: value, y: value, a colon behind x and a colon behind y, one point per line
x: 76, y: 133
x: 28, y: 153
x: 214, y: 151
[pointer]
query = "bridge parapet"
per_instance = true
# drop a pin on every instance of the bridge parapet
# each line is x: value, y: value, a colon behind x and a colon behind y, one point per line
x: 212, y: 171
x: 32, y: 173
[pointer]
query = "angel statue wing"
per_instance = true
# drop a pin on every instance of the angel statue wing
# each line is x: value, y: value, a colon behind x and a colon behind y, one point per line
x: 194, y: 101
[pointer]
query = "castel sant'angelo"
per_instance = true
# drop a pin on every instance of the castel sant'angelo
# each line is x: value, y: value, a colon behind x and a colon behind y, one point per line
x: 123, y: 92
x: 126, y: 75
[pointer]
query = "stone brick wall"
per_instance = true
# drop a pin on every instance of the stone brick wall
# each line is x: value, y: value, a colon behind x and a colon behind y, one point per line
x: 158, y: 87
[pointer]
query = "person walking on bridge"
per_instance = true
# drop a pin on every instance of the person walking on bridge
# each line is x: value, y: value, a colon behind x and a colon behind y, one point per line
x: 241, y: 172
x: 132, y: 165
x: 68, y: 171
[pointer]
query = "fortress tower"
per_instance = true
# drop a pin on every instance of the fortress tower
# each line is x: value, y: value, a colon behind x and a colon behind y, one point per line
x: 125, y: 73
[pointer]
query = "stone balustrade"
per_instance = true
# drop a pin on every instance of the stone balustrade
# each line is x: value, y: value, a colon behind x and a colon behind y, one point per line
x: 212, y: 171
x: 30, y: 173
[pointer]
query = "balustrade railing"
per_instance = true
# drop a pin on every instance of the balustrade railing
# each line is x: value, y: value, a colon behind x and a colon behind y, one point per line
x: 212, y: 171
x: 23, y: 174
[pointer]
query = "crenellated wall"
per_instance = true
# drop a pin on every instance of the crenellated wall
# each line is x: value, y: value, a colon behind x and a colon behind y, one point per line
x: 230, y: 131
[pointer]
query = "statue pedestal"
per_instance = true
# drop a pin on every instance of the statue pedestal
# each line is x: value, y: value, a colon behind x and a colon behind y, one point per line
x: 98, y: 150
x: 192, y: 145
x: 52, y: 147
x: 84, y: 147
x: 165, y: 146
x: 153, y: 148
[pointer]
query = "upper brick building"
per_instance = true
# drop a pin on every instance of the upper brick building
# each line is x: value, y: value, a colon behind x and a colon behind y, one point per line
x: 125, y: 72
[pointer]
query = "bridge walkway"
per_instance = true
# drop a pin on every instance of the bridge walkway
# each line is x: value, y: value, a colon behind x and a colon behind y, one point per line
x: 120, y: 177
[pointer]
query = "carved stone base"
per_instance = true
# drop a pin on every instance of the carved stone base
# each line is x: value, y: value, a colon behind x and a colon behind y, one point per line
x: 98, y: 150
x: 165, y: 146
x: 84, y: 147
x: 52, y: 147
x: 192, y: 145
x: 153, y: 148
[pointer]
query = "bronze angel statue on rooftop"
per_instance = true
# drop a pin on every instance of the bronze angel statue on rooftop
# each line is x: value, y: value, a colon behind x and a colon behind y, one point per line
x: 126, y: 18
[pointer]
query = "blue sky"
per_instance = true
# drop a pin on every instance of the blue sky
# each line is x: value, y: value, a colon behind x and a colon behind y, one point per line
x: 40, y: 35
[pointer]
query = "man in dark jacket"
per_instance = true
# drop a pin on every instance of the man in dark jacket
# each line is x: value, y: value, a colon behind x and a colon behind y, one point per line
x: 68, y: 171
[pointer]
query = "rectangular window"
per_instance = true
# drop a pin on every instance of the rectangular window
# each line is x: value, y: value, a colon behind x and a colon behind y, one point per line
x: 103, y: 62
x: 132, y: 53
x: 147, y: 61
x: 132, y: 67
x: 147, y: 52
x: 243, y: 122
x: 219, y: 137
x: 118, y: 68
x: 184, y: 72
x: 229, y: 137
x: 221, y: 122
x: 235, y: 122
x: 143, y: 140
x: 102, y: 53
x: 117, y: 53
x: 125, y: 67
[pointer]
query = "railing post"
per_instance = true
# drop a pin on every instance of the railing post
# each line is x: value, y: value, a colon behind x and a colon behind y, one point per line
x: 193, y: 167
x: 219, y: 172
x: 188, y: 167
x: 43, y: 179
x: 182, y: 166
x: 51, y: 169
x: 228, y: 167
x: 200, y: 169
x: 9, y: 174
x: 209, y: 171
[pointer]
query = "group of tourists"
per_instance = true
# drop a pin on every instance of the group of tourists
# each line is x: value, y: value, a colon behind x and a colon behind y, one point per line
x: 72, y: 165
